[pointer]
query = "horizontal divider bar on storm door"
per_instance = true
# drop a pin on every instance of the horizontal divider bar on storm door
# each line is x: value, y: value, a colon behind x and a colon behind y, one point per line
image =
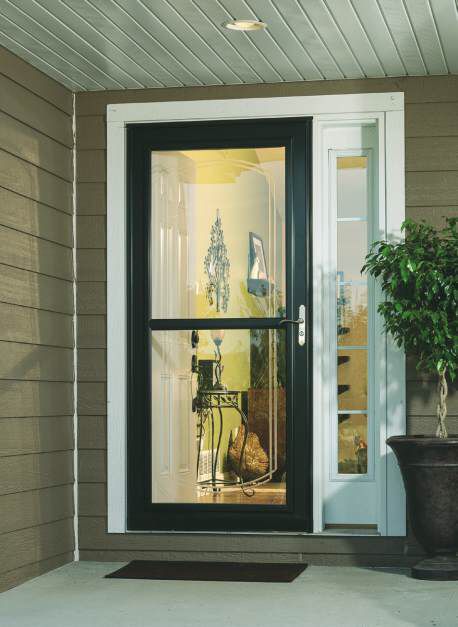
x: 183, y: 324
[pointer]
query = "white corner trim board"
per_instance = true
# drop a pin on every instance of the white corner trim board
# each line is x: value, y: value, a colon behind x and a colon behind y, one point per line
x: 388, y: 110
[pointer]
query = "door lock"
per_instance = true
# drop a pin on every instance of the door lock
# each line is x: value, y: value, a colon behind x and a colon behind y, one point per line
x: 300, y: 325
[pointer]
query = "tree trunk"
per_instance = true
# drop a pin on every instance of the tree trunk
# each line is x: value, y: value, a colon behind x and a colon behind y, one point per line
x: 442, y: 389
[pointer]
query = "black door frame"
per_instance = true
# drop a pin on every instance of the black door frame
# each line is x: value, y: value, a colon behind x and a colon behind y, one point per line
x: 296, y: 135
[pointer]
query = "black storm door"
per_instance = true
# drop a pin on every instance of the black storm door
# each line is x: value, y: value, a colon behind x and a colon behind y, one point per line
x: 219, y: 307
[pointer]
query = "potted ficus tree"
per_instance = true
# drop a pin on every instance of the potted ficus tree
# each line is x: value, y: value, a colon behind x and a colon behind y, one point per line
x: 419, y: 277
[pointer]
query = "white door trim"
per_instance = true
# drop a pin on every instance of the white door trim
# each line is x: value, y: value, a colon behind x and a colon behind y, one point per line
x: 323, y: 108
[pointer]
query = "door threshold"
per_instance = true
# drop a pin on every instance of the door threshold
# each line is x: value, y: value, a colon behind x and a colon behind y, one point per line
x: 350, y: 530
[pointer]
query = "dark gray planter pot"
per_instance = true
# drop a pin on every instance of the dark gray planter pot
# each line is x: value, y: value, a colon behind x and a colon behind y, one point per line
x: 429, y: 468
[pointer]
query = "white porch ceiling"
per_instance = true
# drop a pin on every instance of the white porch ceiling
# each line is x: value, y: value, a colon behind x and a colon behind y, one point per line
x: 123, y: 44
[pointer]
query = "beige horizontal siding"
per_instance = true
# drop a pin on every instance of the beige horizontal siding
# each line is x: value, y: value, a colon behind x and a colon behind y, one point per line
x: 31, y: 289
x: 92, y: 264
x: 26, y: 362
x: 92, y: 331
x: 93, y: 536
x: 36, y: 82
x: 29, y: 180
x: 91, y: 298
x: 92, y: 364
x: 91, y: 199
x: 92, y: 432
x: 92, y: 499
x: 432, y: 188
x: 91, y: 232
x: 34, y: 218
x: 35, y: 398
x: 435, y: 216
x: 36, y: 507
x: 92, y: 466
x: 91, y: 132
x: 33, y: 253
x: 21, y: 473
x: 19, y: 102
x: 431, y: 154
x: 26, y: 143
x: 416, y: 90
x: 431, y: 128
x: 91, y: 167
x: 35, y: 434
x: 92, y: 398
x: 431, y: 119
x: 36, y: 326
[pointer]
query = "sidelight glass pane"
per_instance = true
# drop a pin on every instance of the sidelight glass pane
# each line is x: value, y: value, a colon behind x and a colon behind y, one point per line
x: 217, y: 239
x: 351, y: 315
x: 352, y: 187
x: 212, y: 391
x: 352, y: 444
x: 352, y: 379
x: 353, y: 204
x: 351, y: 250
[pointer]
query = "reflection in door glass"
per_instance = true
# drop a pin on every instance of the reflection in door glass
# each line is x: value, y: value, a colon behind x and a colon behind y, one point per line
x: 353, y: 205
x: 352, y: 187
x: 351, y: 313
x: 218, y: 421
x: 218, y: 233
x: 352, y: 444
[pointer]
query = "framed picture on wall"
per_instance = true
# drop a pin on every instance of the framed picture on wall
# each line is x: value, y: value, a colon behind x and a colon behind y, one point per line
x: 258, y: 278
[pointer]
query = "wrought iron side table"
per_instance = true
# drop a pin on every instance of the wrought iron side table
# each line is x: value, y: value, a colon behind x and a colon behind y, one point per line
x: 209, y: 402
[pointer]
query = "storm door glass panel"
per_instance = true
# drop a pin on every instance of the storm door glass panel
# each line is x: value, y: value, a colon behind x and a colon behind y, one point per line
x: 218, y: 395
x: 219, y: 416
x: 218, y: 233
x: 353, y: 208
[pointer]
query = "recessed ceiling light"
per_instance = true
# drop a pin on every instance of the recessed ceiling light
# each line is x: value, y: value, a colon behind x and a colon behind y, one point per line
x: 245, y: 25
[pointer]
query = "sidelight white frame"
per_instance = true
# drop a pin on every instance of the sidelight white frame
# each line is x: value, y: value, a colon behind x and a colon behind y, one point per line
x: 385, y: 107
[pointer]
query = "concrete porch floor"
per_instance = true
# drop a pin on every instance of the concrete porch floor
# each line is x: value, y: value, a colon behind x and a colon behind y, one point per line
x: 77, y: 595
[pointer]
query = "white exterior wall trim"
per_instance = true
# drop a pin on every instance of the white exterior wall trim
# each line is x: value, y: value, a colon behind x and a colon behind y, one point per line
x: 390, y: 106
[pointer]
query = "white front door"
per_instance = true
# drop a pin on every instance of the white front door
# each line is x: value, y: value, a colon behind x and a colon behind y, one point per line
x: 174, y: 455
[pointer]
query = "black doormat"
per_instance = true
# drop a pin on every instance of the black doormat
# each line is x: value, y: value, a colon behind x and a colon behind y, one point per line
x: 209, y: 571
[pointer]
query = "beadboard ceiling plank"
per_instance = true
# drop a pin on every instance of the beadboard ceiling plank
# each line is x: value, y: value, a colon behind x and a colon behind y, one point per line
x: 43, y: 43
x: 92, y: 60
x: 186, y: 65
x: 169, y: 13
x: 113, y: 23
x: 323, y: 20
x: 445, y: 14
x: 84, y: 38
x: 98, y: 45
x: 379, y: 35
x: 299, y: 37
x: 352, y: 29
x: 422, y: 20
x: 401, y: 30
